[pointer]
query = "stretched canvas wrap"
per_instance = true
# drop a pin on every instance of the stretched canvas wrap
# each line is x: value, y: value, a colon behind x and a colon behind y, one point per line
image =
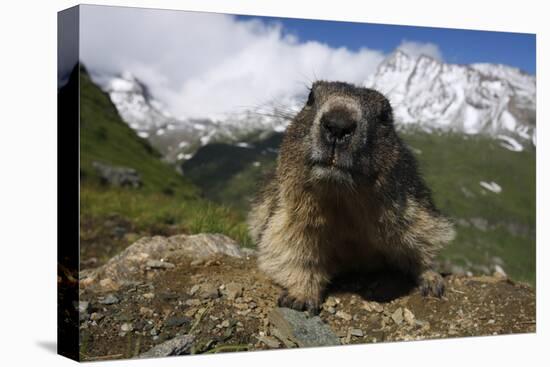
x: 235, y: 183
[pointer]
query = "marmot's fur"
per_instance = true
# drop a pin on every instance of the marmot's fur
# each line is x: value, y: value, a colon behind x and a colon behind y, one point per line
x: 346, y: 195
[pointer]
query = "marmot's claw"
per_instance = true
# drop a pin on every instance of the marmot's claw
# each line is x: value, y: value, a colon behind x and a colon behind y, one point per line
x: 286, y: 300
x: 431, y: 283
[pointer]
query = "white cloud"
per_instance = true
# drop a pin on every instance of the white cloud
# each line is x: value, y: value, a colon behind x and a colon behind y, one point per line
x: 416, y: 49
x: 204, y: 64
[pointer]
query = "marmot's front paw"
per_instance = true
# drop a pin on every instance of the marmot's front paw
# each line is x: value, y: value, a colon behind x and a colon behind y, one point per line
x: 431, y: 283
x: 299, y: 304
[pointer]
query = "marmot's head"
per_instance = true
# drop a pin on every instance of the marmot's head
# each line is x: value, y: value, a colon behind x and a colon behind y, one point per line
x: 348, y: 132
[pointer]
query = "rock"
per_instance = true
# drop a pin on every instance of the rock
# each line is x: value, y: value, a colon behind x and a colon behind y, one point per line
x: 344, y: 315
x: 225, y: 323
x: 127, y: 267
x: 177, y: 346
x: 372, y: 306
x: 194, y: 289
x: 397, y: 316
x: 126, y: 327
x: 159, y: 264
x: 193, y: 302
x: 109, y: 300
x: 499, y: 272
x: 83, y: 306
x: 146, y: 311
x: 269, y: 341
x: 330, y: 302
x: 208, y: 291
x: 356, y: 332
x: 330, y: 309
x: 117, y: 176
x: 408, y: 316
x: 149, y: 295
x: 480, y: 223
x: 303, y: 330
x: 177, y: 321
x: 233, y: 290
x: 96, y: 316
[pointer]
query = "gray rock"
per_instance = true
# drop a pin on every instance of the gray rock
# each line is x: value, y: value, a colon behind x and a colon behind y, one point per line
x: 83, y: 306
x: 480, y: 223
x: 118, y: 176
x: 270, y: 341
x: 127, y: 267
x: 301, y: 329
x: 356, y: 332
x: 233, y: 290
x: 126, y: 327
x: 344, y: 315
x: 177, y: 321
x: 109, y: 300
x: 408, y: 316
x: 159, y: 264
x: 397, y: 316
x: 208, y: 291
x: 177, y: 346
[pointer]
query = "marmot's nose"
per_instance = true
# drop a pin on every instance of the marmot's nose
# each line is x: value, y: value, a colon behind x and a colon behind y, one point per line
x: 338, y: 126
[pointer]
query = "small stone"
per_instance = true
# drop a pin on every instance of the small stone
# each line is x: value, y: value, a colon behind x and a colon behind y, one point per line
x: 83, y: 306
x: 225, y: 323
x: 109, y: 300
x: 330, y: 302
x: 269, y: 341
x: 291, y: 326
x: 193, y: 302
x: 158, y: 264
x: 96, y: 316
x: 408, y: 316
x: 330, y: 310
x: 146, y: 311
x: 149, y: 295
x: 209, y: 291
x: 126, y: 327
x: 197, y: 262
x: 356, y: 332
x: 372, y: 306
x: 397, y: 316
x: 194, y: 289
x: 233, y: 290
x: 344, y: 315
x: 499, y: 272
x: 174, y: 347
x: 177, y: 321
x: 108, y: 284
x: 153, y: 332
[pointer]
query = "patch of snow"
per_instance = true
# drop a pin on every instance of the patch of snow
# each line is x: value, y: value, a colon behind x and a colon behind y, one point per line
x: 491, y: 186
x: 183, y: 144
x: 256, y: 164
x: 510, y: 143
x: 243, y: 145
x: 143, y: 134
x: 160, y: 132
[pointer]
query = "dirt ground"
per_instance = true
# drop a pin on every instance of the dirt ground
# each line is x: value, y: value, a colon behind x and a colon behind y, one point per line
x: 225, y: 302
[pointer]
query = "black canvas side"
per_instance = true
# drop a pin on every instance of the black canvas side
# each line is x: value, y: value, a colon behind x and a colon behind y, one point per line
x: 68, y: 182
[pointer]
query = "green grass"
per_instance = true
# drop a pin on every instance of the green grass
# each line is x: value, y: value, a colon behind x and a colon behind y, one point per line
x: 166, y: 198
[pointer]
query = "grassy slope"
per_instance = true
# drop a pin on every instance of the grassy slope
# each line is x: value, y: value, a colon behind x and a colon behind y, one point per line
x: 166, y: 198
x: 452, y: 165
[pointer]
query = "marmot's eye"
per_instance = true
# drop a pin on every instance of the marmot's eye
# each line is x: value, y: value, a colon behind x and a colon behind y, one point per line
x: 310, y: 99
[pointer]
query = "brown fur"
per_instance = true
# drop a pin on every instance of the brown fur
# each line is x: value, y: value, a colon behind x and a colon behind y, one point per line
x: 311, y: 222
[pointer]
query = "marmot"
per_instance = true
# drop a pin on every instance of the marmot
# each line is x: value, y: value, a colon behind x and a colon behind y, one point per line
x: 346, y: 195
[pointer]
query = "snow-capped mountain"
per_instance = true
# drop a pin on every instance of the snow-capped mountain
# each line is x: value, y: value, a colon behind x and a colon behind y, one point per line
x: 425, y: 93
x: 479, y: 98
x: 178, y: 139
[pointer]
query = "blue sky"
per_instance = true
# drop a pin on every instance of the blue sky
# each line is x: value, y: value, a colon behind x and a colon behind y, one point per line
x: 456, y: 45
